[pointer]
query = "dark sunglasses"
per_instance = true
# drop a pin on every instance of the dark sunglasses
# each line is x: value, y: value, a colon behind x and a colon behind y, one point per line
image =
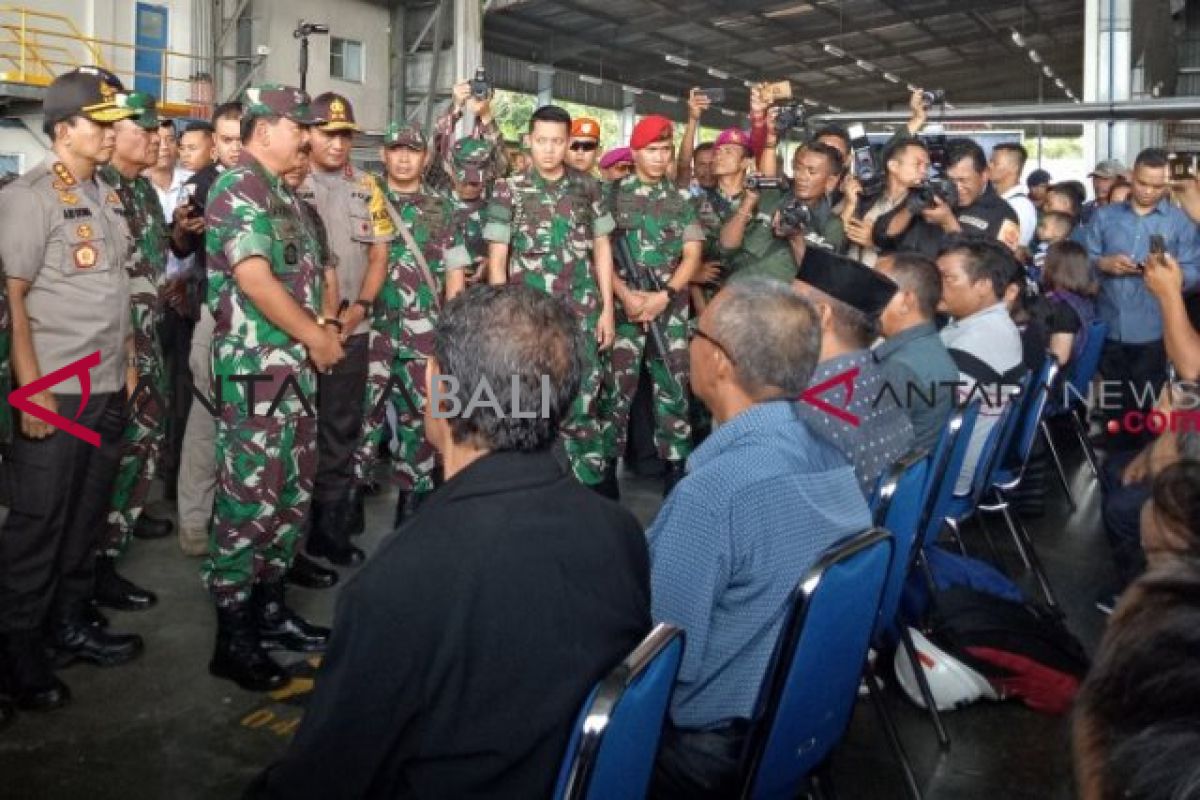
x: 586, y: 147
x: 715, y: 344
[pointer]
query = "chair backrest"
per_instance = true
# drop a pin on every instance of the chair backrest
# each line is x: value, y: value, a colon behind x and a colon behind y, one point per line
x: 948, y: 461
x: 1088, y: 363
x: 811, y: 684
x: 1033, y: 406
x: 999, y: 438
x: 902, y: 499
x: 615, y: 740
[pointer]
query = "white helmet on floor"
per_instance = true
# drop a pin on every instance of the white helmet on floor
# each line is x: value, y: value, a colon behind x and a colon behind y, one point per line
x: 952, y: 682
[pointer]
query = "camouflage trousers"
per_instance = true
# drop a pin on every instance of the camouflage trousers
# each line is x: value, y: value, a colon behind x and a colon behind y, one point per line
x: 265, y: 471
x: 583, y: 430
x: 672, y: 429
x: 141, y: 448
x: 397, y: 382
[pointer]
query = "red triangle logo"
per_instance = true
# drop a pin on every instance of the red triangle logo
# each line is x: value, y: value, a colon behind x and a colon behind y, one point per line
x: 813, y: 395
x: 19, y: 398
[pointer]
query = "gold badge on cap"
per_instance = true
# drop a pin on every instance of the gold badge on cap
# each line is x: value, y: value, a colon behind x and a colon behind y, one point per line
x: 85, y: 256
x: 84, y: 231
x: 337, y: 110
x: 107, y: 91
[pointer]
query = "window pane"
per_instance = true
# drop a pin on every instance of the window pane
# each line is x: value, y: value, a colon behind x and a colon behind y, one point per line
x: 353, y: 61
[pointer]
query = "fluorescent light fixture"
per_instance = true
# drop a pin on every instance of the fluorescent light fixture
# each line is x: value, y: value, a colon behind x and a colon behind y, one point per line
x: 913, y: 88
x: 591, y: 79
x: 808, y: 101
x: 542, y: 69
x: 677, y: 61
x: 834, y: 109
x: 729, y: 113
x: 1018, y: 39
x: 865, y: 66
x: 668, y: 98
x: 890, y: 78
x: 1049, y: 73
x: 632, y: 89
x: 835, y: 51
x: 749, y: 84
x: 950, y: 106
x: 716, y: 73
x: 1059, y: 83
x: 1034, y: 57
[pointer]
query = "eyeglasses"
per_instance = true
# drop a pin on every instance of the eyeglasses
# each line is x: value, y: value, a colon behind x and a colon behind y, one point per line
x: 586, y: 147
x: 715, y: 344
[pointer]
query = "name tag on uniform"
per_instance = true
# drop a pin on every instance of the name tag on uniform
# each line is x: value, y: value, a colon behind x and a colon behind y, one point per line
x: 290, y: 254
x: 85, y: 256
x: 76, y: 213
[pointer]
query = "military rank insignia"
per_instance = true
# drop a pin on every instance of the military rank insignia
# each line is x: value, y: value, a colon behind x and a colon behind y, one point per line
x: 84, y: 231
x: 65, y: 178
x: 85, y: 256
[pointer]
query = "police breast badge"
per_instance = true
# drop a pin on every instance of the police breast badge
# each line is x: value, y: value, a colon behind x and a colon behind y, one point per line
x: 85, y: 256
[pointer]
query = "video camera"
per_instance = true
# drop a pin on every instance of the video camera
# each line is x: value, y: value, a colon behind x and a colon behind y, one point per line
x: 922, y: 196
x: 791, y: 118
x: 932, y: 97
x: 756, y: 183
x: 481, y: 85
x: 794, y: 217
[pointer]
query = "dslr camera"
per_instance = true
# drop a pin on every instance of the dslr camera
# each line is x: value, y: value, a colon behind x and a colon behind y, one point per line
x: 790, y: 118
x: 481, y: 85
x: 794, y: 217
x: 939, y: 187
x: 756, y: 183
x: 933, y: 97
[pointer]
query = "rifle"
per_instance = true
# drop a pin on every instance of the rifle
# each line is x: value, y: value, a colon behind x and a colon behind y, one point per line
x: 643, y: 279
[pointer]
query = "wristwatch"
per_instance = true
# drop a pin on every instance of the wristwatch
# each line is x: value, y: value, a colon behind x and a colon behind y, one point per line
x: 365, y: 304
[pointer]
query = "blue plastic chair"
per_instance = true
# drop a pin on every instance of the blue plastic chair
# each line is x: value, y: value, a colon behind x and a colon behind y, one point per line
x: 899, y: 505
x: 948, y: 461
x: 612, y: 749
x: 1010, y: 471
x: 811, y: 684
x: 1085, y: 368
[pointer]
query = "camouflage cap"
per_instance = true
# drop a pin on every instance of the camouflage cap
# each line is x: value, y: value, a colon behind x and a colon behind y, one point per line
x: 277, y: 100
x: 89, y: 92
x: 335, y: 112
x: 471, y: 159
x: 400, y: 135
x: 144, y: 104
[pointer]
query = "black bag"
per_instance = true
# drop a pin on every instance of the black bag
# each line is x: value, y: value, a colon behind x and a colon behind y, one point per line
x: 1023, y: 650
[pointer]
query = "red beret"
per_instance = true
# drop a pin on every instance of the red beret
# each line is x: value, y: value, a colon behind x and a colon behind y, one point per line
x: 649, y: 130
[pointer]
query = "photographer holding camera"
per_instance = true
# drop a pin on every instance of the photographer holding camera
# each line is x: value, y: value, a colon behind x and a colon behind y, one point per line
x: 475, y: 96
x: 977, y: 208
x: 891, y: 220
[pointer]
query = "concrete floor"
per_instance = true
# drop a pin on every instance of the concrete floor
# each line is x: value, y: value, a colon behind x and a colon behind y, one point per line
x: 161, y: 727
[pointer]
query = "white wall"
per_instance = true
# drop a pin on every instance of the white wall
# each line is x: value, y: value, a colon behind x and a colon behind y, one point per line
x: 348, y: 19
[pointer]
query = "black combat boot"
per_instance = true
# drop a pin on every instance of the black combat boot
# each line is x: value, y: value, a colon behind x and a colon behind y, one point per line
x: 672, y: 475
x: 281, y: 628
x: 237, y: 656
x: 94, y: 616
x: 114, y: 591
x: 308, y: 574
x: 74, y: 638
x: 328, y: 539
x: 148, y: 527
x: 31, y: 683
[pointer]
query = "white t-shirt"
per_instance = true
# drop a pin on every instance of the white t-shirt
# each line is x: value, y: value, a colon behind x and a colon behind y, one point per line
x: 1026, y: 212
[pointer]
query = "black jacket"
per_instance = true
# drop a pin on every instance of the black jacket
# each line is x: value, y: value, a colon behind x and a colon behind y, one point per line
x: 463, y: 650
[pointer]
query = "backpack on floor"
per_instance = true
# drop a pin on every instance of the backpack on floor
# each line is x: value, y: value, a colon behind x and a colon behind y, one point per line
x: 1023, y: 650
x: 951, y: 570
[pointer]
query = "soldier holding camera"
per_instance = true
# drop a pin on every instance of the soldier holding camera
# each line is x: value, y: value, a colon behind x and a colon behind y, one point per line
x: 475, y: 96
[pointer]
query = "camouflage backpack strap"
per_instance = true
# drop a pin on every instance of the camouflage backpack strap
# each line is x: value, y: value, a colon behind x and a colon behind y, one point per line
x: 411, y: 243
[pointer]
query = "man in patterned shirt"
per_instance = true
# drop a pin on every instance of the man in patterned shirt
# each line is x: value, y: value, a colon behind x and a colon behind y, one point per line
x: 547, y: 228
x: 264, y: 291
x: 472, y: 177
x: 659, y: 223
x: 136, y: 148
x: 427, y: 260
x: 851, y: 406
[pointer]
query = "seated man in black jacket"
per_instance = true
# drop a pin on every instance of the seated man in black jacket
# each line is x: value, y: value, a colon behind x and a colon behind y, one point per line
x: 464, y: 649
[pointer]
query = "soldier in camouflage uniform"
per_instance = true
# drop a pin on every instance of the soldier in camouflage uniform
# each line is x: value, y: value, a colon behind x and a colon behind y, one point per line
x: 547, y: 228
x: 659, y: 223
x: 440, y: 166
x: 405, y: 314
x: 471, y: 180
x: 145, y: 431
x: 265, y: 286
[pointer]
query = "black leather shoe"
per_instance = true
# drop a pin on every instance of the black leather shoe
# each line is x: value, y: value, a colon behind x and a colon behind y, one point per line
x: 672, y: 475
x: 281, y: 628
x: 328, y: 538
x: 73, y: 640
x: 94, y: 616
x: 356, y: 515
x: 401, y: 509
x: 151, y: 528
x: 237, y: 656
x: 31, y: 683
x: 114, y: 591
x: 308, y: 574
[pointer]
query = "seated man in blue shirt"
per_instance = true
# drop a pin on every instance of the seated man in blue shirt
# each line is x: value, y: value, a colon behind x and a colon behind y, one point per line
x: 1118, y: 242
x: 762, y: 499
x: 848, y: 401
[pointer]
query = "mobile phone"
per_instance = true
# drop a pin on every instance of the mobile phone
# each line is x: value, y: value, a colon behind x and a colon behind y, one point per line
x: 1158, y: 245
x: 712, y: 95
x: 777, y: 92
